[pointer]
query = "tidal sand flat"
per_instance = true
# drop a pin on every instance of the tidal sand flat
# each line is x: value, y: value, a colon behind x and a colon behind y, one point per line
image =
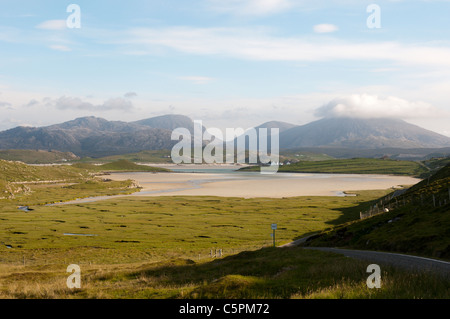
x: 252, y: 184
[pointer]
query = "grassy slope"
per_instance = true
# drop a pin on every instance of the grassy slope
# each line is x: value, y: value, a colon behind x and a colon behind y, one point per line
x: 37, y: 156
x: 120, y: 166
x: 354, y: 166
x: 302, y: 156
x: 265, y: 273
x: 32, y: 185
x: 416, y: 226
x: 158, y: 156
x: 19, y: 172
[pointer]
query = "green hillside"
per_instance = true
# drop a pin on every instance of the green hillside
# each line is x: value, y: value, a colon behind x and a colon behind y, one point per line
x: 20, y: 172
x: 418, y: 222
x: 353, y: 166
x: 151, y: 156
x: 120, y: 166
x: 37, y: 156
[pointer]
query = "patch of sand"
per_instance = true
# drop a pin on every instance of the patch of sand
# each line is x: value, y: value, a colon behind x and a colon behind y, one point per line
x: 249, y: 185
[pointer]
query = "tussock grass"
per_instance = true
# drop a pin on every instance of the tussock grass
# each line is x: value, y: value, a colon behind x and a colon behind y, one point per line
x: 266, y: 273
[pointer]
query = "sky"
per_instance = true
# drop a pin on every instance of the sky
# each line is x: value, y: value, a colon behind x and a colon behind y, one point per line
x: 229, y: 63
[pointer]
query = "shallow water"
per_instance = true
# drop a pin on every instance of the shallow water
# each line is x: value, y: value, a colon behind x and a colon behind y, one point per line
x: 229, y: 182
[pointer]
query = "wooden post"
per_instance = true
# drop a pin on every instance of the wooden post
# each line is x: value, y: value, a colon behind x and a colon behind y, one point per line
x: 434, y: 201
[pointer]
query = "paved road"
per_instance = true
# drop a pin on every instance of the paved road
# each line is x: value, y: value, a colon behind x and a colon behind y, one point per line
x: 398, y: 260
x: 297, y: 242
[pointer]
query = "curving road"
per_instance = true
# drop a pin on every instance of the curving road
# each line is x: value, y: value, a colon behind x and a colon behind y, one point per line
x: 398, y: 260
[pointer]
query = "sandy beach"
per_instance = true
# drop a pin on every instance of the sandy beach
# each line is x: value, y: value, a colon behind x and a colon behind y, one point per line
x: 250, y: 185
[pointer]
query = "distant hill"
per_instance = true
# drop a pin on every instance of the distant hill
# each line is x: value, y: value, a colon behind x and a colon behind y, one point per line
x: 20, y: 172
x: 356, y: 133
x: 415, y: 154
x: 37, y: 156
x: 96, y: 137
x: 168, y: 122
x: 282, y: 126
x: 352, y: 166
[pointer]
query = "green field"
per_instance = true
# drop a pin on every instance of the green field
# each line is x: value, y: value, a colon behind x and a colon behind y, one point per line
x: 156, y: 156
x: 168, y: 247
x: 161, y: 248
x: 166, y: 226
x: 353, y: 166
x: 119, y: 166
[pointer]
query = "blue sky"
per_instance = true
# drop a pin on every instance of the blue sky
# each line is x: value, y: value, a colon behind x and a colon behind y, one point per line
x: 229, y: 63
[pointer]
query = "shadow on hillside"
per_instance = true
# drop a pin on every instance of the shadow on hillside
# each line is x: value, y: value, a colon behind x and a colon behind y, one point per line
x: 249, y: 274
x: 347, y: 214
x: 184, y: 271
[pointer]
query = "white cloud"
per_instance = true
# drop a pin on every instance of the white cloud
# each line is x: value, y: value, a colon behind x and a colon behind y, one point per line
x: 71, y: 103
x: 372, y: 106
x: 130, y: 95
x: 2, y: 104
x: 117, y: 103
x: 325, y: 28
x: 52, y: 25
x: 258, y: 44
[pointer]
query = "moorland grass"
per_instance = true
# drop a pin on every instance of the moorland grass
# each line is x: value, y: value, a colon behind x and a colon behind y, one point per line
x: 147, y: 228
x: 265, y: 273
x: 353, y: 166
x: 159, y: 247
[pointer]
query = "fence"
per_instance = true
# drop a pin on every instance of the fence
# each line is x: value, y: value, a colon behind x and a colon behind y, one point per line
x: 402, y: 198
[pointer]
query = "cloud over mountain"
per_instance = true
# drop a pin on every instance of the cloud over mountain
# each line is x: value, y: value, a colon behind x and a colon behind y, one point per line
x: 66, y: 102
x: 373, y: 106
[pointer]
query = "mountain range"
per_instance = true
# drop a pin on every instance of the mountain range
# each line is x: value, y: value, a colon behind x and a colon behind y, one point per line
x: 96, y: 137
x: 92, y: 136
x: 360, y: 133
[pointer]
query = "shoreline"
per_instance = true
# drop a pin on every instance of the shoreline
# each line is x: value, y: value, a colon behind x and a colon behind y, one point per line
x: 253, y: 185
